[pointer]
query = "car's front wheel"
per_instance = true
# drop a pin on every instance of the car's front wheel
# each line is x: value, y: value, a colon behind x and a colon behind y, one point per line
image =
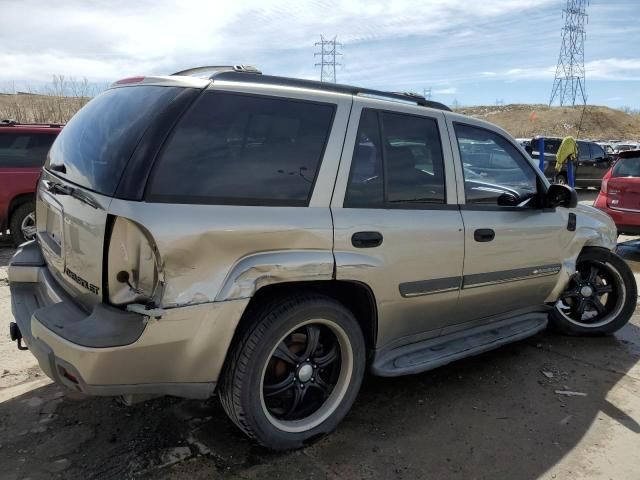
x: 295, y: 373
x: 600, y: 297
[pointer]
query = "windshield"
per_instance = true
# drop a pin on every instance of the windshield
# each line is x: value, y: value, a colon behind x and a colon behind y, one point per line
x: 627, y: 167
x: 95, y: 146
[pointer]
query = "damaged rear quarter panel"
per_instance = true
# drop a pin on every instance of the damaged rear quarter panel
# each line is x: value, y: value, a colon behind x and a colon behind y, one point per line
x: 218, y: 252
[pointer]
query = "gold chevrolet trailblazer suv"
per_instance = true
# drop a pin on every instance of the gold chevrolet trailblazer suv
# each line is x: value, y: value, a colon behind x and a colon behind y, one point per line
x: 270, y: 239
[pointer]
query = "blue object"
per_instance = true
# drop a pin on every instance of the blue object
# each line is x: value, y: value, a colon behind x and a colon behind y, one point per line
x: 570, y: 175
x: 541, y: 154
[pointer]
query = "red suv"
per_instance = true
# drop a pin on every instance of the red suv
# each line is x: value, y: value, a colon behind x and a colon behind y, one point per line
x: 620, y: 193
x: 23, y: 150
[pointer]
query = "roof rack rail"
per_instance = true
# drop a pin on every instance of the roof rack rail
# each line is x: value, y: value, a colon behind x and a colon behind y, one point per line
x: 210, y: 71
x: 412, y: 98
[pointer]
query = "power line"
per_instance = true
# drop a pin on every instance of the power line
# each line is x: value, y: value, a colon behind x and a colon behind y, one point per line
x: 426, y: 93
x: 569, y: 82
x: 328, y: 53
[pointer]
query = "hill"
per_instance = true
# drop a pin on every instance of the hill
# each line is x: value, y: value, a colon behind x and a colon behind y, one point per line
x: 594, y: 122
x: 520, y: 120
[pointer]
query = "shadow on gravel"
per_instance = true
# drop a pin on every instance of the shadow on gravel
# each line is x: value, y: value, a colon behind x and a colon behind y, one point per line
x: 493, y: 416
x: 6, y: 252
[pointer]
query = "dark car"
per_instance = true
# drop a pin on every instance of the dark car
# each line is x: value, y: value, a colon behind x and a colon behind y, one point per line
x: 593, y: 162
x: 23, y: 150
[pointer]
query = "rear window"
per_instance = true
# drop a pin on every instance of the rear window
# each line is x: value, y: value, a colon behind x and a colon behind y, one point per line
x: 243, y: 150
x: 627, y: 167
x: 24, y: 150
x: 96, y: 144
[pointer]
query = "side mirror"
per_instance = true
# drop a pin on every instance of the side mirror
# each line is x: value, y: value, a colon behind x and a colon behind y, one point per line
x: 562, y: 196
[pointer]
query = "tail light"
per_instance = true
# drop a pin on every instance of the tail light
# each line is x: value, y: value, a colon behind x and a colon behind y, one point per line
x: 133, y: 268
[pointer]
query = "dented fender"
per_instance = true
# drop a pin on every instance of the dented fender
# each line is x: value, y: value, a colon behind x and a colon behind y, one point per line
x: 594, y: 228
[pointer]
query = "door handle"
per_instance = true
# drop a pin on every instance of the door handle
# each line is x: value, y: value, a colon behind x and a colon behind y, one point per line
x: 366, y: 239
x: 484, y: 235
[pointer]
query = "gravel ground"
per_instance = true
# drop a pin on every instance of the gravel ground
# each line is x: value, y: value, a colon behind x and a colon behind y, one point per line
x: 493, y: 416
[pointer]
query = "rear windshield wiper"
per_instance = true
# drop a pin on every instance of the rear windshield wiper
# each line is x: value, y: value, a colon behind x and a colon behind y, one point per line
x: 83, y: 197
x: 66, y: 190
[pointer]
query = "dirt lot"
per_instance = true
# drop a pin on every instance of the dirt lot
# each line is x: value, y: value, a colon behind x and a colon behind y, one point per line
x: 493, y: 416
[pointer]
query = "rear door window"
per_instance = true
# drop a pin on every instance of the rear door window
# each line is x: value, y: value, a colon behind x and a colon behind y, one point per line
x: 24, y: 150
x: 397, y: 162
x: 596, y: 151
x: 583, y: 152
x: 239, y: 149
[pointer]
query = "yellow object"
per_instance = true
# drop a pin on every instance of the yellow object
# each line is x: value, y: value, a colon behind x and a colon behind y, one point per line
x: 568, y: 151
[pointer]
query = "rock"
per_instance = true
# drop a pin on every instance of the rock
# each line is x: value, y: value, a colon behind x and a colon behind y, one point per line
x: 59, y: 465
x: 39, y: 429
x: 569, y: 393
x: 547, y: 374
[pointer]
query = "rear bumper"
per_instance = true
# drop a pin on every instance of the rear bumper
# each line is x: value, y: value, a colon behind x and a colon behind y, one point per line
x: 626, y: 222
x: 112, y: 352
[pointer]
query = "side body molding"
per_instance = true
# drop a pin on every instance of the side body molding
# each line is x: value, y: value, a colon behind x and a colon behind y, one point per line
x: 251, y: 273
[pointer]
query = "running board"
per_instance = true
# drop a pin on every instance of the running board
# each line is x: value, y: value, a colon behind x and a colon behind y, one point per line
x: 439, y: 351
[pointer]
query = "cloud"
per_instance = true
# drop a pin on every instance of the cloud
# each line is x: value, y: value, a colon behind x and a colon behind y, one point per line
x: 602, y: 69
x: 105, y: 39
x: 446, y: 91
x: 488, y: 74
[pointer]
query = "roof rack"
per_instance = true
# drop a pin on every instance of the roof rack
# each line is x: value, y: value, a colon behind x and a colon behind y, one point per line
x: 210, y: 71
x: 224, y: 73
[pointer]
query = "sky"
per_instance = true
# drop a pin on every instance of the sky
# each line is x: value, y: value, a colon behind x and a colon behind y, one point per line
x: 469, y: 52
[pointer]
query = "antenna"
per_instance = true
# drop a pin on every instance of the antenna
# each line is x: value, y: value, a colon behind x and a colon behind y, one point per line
x: 569, y: 82
x: 328, y: 53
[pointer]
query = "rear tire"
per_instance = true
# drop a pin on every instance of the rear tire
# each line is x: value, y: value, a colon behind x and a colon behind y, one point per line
x: 23, y: 223
x: 599, y: 299
x: 295, y: 372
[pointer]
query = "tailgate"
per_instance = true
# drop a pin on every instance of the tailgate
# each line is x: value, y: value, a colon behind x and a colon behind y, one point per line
x: 71, y: 224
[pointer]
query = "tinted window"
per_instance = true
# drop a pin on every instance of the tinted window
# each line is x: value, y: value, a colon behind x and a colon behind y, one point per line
x: 246, y: 150
x: 627, y: 167
x: 551, y: 145
x: 409, y: 153
x: 492, y: 166
x: 24, y: 149
x: 366, y: 187
x: 96, y: 144
x: 583, y: 151
x: 596, y: 151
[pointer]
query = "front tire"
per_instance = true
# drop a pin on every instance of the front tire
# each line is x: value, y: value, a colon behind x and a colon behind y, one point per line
x: 561, y: 179
x: 295, y: 372
x: 600, y: 297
